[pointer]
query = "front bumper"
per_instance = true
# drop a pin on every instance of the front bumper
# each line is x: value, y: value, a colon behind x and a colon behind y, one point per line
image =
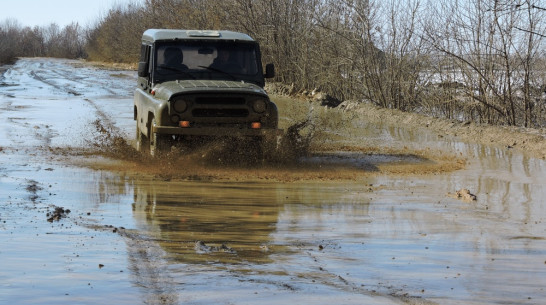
x: 218, y: 132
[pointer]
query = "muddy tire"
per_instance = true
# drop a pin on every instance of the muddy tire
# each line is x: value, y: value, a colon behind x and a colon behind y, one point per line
x: 142, y: 144
x: 159, y: 144
x: 140, y: 141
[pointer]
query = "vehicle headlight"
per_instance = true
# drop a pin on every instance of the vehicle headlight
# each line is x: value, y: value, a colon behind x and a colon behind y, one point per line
x: 180, y: 105
x: 259, y: 105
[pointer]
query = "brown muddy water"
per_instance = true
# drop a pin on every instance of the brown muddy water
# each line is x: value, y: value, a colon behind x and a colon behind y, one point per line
x: 361, y: 215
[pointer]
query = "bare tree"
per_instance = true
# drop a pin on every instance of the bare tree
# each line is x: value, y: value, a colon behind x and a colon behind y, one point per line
x: 9, y: 40
x: 32, y: 42
x: 494, y: 56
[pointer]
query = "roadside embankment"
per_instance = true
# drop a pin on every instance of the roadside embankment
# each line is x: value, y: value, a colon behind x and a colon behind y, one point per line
x: 527, y: 140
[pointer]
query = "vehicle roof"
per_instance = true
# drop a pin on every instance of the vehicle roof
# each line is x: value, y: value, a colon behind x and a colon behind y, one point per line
x: 153, y: 35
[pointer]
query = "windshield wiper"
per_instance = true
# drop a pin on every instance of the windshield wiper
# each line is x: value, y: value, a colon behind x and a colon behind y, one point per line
x: 177, y: 70
x: 220, y: 71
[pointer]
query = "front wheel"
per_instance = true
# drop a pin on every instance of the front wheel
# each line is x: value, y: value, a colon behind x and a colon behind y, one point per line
x: 140, y: 141
x: 159, y: 144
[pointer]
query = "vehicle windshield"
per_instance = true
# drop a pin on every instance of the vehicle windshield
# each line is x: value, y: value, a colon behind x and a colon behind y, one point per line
x: 219, y: 60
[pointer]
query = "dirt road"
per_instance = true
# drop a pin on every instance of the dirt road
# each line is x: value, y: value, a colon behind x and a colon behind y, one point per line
x: 367, y: 214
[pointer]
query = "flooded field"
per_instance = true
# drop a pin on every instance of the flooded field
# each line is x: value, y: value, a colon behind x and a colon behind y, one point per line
x: 364, y: 214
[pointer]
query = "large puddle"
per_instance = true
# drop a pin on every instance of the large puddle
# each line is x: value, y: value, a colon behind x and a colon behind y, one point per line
x: 362, y: 218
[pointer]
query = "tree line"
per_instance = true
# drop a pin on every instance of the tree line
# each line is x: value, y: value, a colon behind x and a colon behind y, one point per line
x: 51, y: 41
x: 471, y: 60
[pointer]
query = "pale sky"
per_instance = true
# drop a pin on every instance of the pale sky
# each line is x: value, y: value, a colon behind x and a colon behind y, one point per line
x: 63, y: 12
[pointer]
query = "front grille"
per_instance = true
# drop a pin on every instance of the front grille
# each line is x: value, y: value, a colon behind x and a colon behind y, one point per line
x: 214, y: 100
x: 220, y: 113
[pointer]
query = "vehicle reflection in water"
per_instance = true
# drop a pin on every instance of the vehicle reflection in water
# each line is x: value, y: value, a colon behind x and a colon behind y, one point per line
x: 196, y: 222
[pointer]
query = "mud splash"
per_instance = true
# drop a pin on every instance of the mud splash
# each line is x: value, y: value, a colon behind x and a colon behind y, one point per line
x: 317, y: 144
x: 109, y: 142
x: 304, y: 153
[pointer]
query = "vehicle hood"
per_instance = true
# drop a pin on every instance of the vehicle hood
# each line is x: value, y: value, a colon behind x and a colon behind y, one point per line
x: 165, y: 90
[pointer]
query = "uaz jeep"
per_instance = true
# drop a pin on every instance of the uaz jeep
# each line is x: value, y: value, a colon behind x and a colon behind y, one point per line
x: 202, y: 84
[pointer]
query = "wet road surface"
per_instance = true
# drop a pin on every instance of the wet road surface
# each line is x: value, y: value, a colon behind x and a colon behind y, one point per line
x: 363, y: 219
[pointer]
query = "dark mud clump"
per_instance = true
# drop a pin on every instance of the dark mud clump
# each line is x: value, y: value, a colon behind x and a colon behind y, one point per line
x: 57, y: 214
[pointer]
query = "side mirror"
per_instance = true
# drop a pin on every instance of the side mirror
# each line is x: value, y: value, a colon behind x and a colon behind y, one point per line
x: 269, y: 71
x: 143, y: 69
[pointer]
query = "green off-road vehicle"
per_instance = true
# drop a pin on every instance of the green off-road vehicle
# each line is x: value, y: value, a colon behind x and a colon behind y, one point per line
x: 195, y: 85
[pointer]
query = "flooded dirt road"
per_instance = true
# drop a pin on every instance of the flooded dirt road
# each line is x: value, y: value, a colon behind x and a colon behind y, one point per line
x: 364, y: 216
